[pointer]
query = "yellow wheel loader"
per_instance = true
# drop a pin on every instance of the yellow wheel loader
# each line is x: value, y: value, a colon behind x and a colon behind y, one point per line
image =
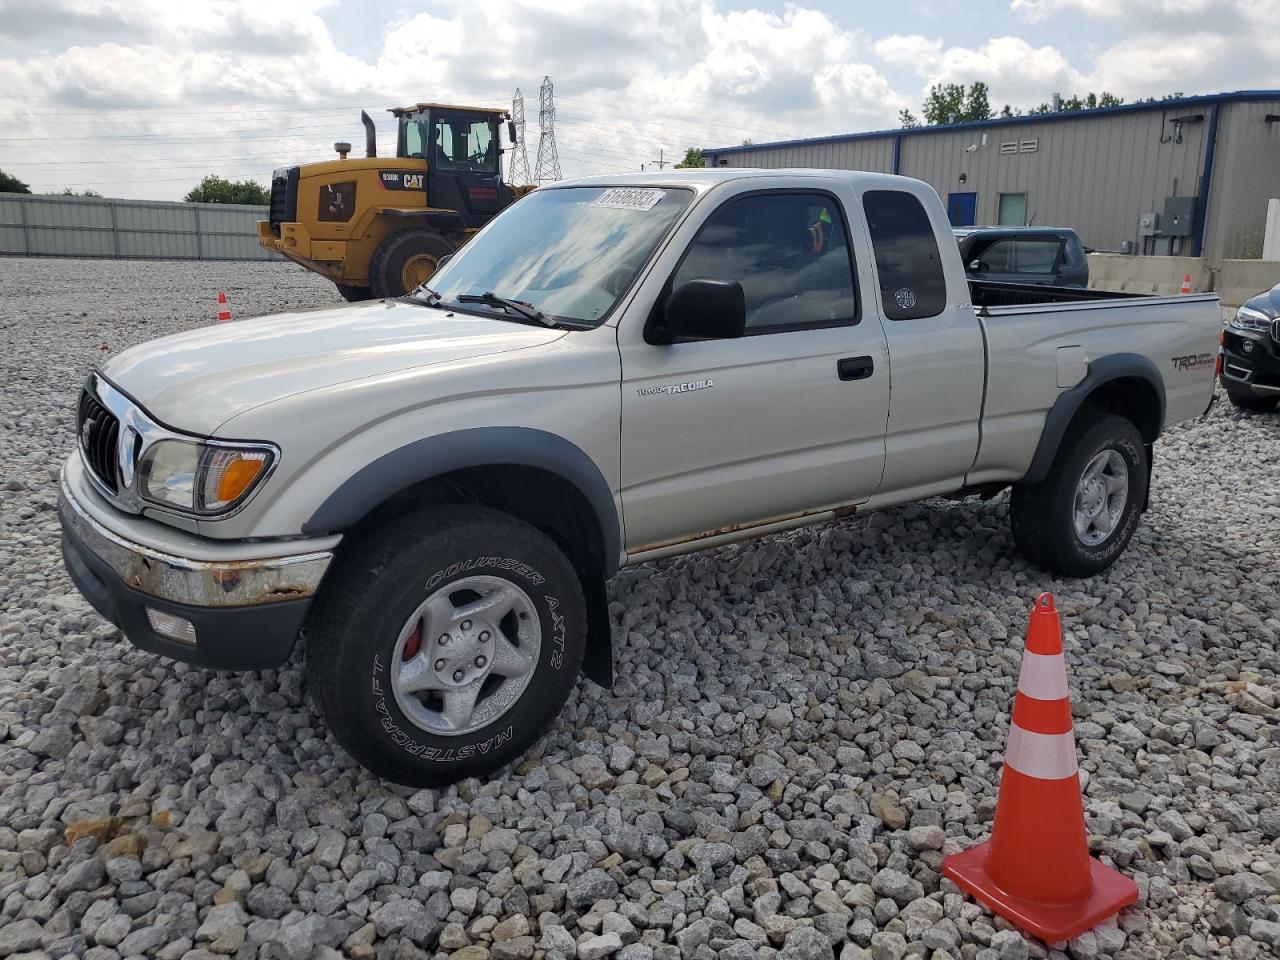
x: 379, y: 226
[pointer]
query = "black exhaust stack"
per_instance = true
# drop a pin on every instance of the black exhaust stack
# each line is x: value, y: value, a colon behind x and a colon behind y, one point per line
x: 370, y: 135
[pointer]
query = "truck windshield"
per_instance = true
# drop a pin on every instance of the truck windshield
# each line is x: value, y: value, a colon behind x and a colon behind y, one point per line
x: 571, y: 252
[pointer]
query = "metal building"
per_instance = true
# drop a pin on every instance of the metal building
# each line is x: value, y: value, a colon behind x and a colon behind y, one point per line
x: 1187, y: 177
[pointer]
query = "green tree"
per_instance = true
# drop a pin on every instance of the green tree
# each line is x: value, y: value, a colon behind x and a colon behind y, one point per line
x: 215, y: 189
x: 11, y: 184
x: 68, y: 192
x: 693, y: 157
x: 908, y: 119
x: 953, y: 103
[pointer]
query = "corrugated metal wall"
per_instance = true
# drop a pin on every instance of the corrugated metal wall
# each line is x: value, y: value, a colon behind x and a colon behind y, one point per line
x: 1246, y: 174
x: 33, y: 225
x: 1097, y: 174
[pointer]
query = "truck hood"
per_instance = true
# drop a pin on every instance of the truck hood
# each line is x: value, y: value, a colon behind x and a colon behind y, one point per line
x: 198, y: 380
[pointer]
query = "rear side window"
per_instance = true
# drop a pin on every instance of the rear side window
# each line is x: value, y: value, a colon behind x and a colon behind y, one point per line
x: 790, y: 252
x: 908, y: 265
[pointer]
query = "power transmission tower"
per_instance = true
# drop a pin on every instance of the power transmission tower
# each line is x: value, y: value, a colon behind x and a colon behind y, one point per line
x: 548, y: 168
x: 518, y: 171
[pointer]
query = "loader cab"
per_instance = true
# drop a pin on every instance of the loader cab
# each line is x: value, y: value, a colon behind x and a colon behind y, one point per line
x: 462, y: 148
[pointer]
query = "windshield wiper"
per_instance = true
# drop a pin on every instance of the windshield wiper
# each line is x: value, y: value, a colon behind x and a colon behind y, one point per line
x: 515, y: 306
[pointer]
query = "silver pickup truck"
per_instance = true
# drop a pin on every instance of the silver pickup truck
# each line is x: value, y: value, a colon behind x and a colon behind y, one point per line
x: 436, y: 489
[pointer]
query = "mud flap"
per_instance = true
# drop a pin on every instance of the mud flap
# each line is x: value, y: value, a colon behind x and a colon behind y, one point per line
x: 597, y: 659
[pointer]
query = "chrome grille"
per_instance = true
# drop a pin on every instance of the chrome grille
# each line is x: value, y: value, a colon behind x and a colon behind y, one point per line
x: 99, y: 433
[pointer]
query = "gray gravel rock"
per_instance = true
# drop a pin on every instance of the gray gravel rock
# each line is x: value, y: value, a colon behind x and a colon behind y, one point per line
x: 802, y: 726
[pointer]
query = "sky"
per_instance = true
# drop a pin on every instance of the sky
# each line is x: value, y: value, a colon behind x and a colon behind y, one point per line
x: 141, y: 98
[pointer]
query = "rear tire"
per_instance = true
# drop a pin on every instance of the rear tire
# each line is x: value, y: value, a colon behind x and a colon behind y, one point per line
x: 1079, y: 519
x: 405, y: 259
x: 1245, y: 400
x: 354, y: 294
x: 481, y: 681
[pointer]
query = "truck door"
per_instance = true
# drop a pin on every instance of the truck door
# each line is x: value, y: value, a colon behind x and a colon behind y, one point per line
x: 464, y: 173
x: 935, y: 345
x: 787, y: 420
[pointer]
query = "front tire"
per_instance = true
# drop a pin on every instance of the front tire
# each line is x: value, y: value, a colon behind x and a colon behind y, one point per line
x: 1245, y: 400
x: 1081, y: 517
x: 405, y: 259
x: 444, y: 645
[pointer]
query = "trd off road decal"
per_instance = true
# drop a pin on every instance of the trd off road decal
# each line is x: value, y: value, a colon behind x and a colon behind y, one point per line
x: 401, y: 179
x: 1194, y: 361
x: 411, y: 746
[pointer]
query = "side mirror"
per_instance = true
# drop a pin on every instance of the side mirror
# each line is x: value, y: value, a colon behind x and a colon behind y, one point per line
x: 511, y: 132
x: 976, y: 266
x: 704, y: 310
x: 443, y: 260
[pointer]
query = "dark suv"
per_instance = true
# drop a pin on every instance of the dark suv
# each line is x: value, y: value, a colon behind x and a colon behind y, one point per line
x: 1251, y: 353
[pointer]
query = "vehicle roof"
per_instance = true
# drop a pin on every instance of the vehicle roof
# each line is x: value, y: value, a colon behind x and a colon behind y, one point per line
x: 963, y: 232
x: 501, y: 111
x: 704, y: 177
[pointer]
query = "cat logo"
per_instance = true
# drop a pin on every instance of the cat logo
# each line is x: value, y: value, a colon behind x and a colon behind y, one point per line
x: 399, y: 180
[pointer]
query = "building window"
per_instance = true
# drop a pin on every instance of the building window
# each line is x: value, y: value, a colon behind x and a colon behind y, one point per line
x: 908, y: 265
x: 1013, y: 210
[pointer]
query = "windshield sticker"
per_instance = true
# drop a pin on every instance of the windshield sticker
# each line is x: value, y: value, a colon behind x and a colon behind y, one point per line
x: 905, y: 298
x: 628, y: 198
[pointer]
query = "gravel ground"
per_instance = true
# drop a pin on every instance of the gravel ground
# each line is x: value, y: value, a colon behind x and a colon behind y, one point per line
x: 804, y: 726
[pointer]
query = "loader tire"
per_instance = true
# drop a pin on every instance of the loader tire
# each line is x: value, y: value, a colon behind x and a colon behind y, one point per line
x: 405, y: 259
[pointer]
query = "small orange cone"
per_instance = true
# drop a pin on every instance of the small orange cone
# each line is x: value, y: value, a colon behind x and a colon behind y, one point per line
x: 1036, y: 871
x: 224, y: 311
x: 1186, y: 284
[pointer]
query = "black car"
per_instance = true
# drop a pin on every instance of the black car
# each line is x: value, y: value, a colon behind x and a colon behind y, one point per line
x: 1251, y: 353
x: 1049, y: 256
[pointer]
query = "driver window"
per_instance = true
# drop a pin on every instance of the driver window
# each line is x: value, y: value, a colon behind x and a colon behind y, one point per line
x: 790, y: 252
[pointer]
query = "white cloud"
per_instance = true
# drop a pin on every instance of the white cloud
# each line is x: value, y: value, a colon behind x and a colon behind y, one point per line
x: 141, y: 97
x: 911, y: 51
x: 634, y: 77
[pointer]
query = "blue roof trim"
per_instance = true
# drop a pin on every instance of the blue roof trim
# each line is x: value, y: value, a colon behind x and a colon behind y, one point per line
x: 1060, y: 116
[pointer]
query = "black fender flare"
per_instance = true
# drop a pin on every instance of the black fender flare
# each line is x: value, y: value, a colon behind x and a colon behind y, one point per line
x: 430, y: 457
x: 1114, y: 366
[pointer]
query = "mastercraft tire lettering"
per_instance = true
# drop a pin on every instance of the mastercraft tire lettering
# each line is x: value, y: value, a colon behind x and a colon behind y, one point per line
x: 446, y: 644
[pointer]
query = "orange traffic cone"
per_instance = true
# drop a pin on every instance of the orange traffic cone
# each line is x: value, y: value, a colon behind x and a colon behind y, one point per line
x: 224, y: 311
x: 1186, y: 284
x: 1036, y: 871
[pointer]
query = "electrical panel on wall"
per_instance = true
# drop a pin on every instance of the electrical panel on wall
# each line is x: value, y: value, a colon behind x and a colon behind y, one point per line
x: 1179, y: 218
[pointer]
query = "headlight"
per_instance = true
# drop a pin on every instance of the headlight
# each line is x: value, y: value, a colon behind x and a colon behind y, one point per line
x: 201, y: 478
x: 1247, y: 318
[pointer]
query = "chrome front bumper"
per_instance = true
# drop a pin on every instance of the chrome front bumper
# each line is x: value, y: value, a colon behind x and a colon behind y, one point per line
x: 234, y: 583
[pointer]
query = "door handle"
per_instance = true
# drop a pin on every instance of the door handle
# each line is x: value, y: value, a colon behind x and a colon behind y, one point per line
x: 855, y: 368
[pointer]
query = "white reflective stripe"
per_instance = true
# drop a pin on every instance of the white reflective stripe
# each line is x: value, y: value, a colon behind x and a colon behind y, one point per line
x: 1043, y: 677
x: 1045, y: 756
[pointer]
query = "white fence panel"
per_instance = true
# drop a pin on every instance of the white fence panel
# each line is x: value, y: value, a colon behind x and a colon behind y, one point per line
x: 32, y: 225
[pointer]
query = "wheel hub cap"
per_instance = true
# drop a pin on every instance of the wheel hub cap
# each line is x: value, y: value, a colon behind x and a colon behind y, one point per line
x: 1101, y: 495
x: 465, y: 655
